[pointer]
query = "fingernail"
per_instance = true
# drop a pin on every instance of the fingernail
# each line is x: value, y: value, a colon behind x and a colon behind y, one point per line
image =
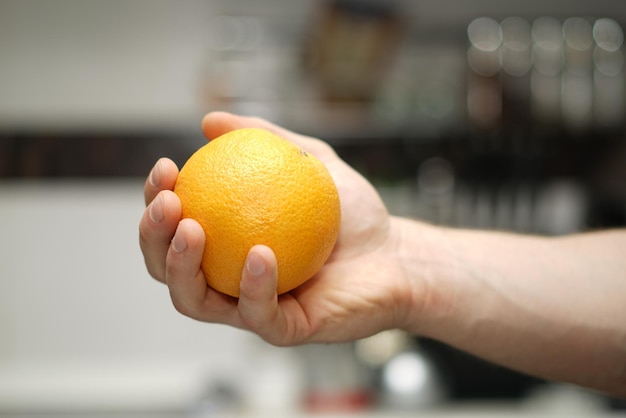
x: 179, y: 243
x: 155, y: 175
x: 156, y: 209
x: 255, y: 264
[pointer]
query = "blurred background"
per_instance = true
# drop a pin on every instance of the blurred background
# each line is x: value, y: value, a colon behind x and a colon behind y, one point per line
x: 490, y: 114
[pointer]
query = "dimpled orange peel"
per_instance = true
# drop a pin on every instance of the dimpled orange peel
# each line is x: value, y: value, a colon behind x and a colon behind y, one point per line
x: 250, y: 186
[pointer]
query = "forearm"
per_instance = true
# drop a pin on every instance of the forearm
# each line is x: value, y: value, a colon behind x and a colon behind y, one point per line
x: 551, y: 307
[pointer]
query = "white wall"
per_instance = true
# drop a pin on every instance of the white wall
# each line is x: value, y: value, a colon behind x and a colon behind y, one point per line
x: 94, y: 63
x: 80, y: 315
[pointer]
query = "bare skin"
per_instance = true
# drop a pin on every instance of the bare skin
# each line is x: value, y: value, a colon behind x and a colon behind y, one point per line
x: 551, y: 307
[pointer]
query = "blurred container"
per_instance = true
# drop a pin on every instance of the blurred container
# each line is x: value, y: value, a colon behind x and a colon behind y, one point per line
x: 608, y: 76
x: 411, y: 380
x: 352, y: 46
x: 274, y: 381
x: 516, y: 44
x: 484, y: 90
x: 336, y: 380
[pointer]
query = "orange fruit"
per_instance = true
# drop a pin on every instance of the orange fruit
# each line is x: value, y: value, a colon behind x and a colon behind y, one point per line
x: 249, y: 187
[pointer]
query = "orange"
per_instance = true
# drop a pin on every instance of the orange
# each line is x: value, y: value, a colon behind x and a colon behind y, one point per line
x: 249, y: 187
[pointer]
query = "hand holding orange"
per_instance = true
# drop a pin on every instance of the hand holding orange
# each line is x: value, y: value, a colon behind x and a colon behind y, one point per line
x: 360, y: 290
x: 249, y: 187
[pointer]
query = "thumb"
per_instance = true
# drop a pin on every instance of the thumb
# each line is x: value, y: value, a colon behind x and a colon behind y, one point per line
x: 258, y: 299
x: 215, y: 124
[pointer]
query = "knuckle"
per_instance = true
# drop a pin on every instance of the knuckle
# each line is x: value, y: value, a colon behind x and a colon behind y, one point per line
x: 155, y: 272
x: 254, y: 323
x: 182, y: 308
x: 267, y: 330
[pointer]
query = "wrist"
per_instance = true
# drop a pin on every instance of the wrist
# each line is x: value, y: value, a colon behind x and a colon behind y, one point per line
x: 420, y: 256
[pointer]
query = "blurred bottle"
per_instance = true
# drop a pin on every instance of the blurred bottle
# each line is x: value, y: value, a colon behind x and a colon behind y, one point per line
x: 516, y: 63
x: 335, y: 379
x: 547, y: 63
x: 435, y: 188
x: 484, y: 92
x: 608, y: 74
x: 273, y: 380
x: 409, y: 378
x: 576, y: 79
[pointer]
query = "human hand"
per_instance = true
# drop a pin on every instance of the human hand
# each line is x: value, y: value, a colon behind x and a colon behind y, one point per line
x: 360, y: 290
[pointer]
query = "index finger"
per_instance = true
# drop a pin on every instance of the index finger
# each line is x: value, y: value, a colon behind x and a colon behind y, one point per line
x: 162, y: 177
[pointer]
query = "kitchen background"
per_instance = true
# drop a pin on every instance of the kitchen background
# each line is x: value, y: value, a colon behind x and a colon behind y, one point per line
x: 487, y: 114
